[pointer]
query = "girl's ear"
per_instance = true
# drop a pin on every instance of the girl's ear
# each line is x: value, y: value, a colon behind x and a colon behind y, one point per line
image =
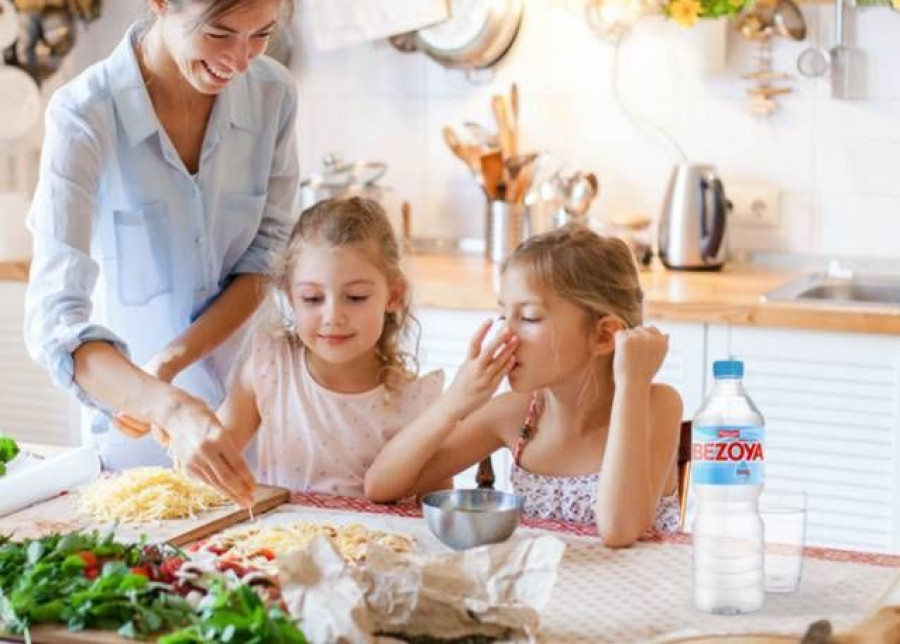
x: 397, y: 294
x: 603, y: 339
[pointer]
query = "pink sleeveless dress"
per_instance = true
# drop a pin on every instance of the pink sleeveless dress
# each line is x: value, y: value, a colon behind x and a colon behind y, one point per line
x: 316, y: 440
x: 568, y: 498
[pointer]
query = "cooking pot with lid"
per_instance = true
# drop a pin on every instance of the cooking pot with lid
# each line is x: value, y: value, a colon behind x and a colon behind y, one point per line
x: 340, y: 179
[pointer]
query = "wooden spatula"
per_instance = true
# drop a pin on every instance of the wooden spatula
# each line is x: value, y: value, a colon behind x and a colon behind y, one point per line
x: 493, y: 175
x: 505, y: 129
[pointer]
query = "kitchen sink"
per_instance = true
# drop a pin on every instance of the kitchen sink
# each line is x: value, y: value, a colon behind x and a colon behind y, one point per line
x: 868, y: 290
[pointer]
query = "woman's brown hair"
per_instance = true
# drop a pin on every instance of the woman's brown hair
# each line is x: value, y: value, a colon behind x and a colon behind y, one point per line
x: 594, y: 272
x: 362, y: 224
x: 215, y: 9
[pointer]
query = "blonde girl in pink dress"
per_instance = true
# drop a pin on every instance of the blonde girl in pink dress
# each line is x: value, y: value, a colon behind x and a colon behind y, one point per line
x: 594, y: 439
x: 328, y: 383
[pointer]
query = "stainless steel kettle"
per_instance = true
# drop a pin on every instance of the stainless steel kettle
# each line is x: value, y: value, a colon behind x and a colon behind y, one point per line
x: 693, y: 220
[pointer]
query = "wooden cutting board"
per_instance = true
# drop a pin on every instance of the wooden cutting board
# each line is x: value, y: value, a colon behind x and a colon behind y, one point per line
x: 57, y: 635
x: 60, y: 515
x: 760, y: 638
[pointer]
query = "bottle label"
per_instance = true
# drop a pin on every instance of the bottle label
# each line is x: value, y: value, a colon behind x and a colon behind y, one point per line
x: 727, y: 455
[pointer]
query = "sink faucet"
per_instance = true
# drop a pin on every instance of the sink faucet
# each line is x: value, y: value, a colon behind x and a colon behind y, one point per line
x: 836, y: 271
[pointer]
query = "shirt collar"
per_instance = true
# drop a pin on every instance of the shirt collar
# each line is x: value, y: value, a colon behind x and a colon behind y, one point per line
x: 240, y: 108
x: 130, y: 95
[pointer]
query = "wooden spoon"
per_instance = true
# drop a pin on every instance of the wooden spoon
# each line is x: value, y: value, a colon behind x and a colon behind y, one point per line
x: 493, y: 174
x: 470, y: 154
x: 505, y: 131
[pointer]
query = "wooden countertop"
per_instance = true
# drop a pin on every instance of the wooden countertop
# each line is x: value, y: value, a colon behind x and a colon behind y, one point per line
x: 731, y: 296
x: 14, y: 271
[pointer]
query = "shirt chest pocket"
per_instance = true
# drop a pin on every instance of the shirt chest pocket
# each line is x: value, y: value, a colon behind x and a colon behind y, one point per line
x: 242, y: 220
x: 143, y: 253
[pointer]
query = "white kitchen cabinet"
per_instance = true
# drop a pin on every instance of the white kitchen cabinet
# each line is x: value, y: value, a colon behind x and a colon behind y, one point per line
x: 31, y: 408
x: 831, y: 403
x: 445, y: 337
x: 685, y: 365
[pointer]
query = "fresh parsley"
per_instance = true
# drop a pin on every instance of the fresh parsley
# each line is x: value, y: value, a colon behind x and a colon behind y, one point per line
x: 9, y: 449
x: 84, y: 581
x: 237, y: 615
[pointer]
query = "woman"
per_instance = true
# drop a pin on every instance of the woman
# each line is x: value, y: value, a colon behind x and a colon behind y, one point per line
x: 169, y: 180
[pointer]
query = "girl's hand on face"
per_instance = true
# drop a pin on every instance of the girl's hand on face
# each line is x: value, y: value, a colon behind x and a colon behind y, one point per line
x: 639, y: 354
x: 483, y: 371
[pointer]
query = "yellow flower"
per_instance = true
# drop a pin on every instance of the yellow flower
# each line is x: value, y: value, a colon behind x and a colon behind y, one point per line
x: 687, y: 12
x: 895, y: 4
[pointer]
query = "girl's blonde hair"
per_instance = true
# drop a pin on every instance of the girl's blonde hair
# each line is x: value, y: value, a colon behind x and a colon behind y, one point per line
x: 594, y: 272
x: 363, y: 225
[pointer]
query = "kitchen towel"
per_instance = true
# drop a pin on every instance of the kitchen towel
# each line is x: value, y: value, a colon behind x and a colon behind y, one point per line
x: 38, y: 480
x: 338, y: 23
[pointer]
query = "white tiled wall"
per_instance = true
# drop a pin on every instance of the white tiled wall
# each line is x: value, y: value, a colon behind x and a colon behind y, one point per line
x: 833, y: 162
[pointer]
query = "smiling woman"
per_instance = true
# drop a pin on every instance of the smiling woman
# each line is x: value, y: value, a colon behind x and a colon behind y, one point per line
x: 163, y: 196
x: 208, y: 42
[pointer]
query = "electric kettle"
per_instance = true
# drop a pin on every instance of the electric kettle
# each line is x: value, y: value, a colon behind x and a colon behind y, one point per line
x: 693, y: 220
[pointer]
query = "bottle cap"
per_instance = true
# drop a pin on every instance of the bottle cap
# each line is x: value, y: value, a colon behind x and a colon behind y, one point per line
x: 728, y: 369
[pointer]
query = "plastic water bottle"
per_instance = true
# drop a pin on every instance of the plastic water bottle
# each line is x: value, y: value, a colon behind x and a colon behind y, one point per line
x: 727, y: 464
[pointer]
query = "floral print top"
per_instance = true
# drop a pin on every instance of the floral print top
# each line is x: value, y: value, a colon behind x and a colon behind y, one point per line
x: 569, y: 498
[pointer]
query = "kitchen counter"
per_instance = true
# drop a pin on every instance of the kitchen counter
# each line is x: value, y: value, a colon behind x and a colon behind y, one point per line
x: 14, y: 271
x: 730, y: 296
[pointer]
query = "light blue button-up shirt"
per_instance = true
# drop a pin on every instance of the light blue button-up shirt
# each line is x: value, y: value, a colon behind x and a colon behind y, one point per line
x: 129, y: 247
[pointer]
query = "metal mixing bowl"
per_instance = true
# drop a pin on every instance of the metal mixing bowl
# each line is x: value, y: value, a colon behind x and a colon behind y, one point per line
x: 467, y: 518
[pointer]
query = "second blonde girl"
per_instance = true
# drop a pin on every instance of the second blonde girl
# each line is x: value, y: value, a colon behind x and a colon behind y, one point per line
x: 593, y: 437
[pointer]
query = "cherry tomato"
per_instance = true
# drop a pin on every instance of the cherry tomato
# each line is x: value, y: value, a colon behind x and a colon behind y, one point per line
x: 89, y: 558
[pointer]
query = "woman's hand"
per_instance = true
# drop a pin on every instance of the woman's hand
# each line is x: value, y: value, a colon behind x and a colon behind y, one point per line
x: 164, y: 367
x: 480, y: 375
x: 200, y: 444
x: 639, y: 354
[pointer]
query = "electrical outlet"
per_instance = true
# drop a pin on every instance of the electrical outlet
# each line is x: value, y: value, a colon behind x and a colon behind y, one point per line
x: 755, y: 206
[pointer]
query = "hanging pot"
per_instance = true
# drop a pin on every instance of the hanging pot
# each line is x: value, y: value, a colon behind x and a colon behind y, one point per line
x: 339, y: 179
x: 477, y: 34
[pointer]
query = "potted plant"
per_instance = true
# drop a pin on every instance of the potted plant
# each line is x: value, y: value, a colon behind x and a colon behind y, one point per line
x: 689, y: 13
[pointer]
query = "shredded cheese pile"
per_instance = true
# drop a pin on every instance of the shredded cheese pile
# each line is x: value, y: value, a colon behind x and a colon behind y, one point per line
x: 145, y: 494
x: 351, y: 540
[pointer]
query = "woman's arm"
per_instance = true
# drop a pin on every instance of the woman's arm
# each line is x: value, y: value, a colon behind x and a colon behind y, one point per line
x: 453, y: 433
x: 228, y: 313
x: 199, y: 441
x: 642, y: 440
x: 234, y: 306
